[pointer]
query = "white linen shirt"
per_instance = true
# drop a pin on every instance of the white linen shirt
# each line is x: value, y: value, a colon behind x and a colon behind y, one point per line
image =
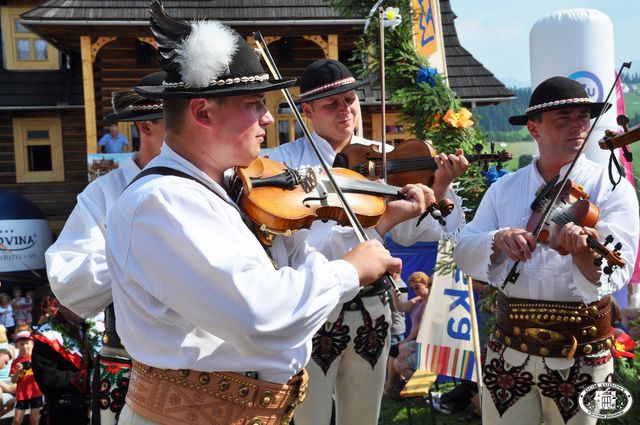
x: 548, y: 275
x: 194, y: 289
x: 299, y: 154
x: 76, y: 262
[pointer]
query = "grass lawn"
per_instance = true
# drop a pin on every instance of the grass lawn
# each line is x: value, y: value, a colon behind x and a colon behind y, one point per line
x: 395, y: 413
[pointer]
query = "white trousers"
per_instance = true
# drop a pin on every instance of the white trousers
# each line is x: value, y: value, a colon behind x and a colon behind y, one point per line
x: 356, y: 384
x: 534, y: 391
x: 129, y: 417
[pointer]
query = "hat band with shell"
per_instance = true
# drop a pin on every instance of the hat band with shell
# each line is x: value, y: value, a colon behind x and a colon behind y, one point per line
x: 577, y: 100
x: 223, y: 82
x: 149, y: 107
x: 329, y: 86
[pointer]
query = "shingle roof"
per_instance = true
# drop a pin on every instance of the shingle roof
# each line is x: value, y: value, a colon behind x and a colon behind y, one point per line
x: 225, y: 10
x: 467, y: 77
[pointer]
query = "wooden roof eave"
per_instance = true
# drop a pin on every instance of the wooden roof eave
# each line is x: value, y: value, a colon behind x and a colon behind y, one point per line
x: 66, y: 37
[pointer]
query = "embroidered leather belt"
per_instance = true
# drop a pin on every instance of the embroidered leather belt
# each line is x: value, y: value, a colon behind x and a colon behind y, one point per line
x: 554, y: 329
x: 356, y: 304
x: 378, y: 287
x: 178, y: 397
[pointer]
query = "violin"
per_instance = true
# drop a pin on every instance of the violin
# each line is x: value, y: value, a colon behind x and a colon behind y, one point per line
x: 613, y: 139
x: 572, y: 205
x: 280, y: 200
x: 411, y: 161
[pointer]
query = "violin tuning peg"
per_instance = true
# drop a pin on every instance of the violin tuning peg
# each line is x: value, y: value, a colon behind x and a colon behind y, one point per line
x: 607, y: 270
x: 618, y: 246
x: 622, y: 120
x: 493, y: 147
x: 478, y: 147
x: 597, y: 262
x: 608, y: 239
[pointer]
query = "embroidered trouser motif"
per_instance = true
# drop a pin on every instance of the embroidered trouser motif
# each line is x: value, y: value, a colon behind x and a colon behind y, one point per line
x: 110, y: 389
x: 332, y: 339
x: 355, y: 381
x: 533, y: 392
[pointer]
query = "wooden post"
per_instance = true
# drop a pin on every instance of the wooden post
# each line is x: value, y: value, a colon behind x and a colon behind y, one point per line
x: 89, y: 95
x: 333, y: 47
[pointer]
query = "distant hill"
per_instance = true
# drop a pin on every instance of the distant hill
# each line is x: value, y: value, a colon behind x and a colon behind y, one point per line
x: 495, y: 118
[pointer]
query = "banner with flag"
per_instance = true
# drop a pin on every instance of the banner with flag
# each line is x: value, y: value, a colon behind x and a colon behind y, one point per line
x: 445, y: 343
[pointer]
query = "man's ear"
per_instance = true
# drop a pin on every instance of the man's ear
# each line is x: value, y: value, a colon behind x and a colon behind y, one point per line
x: 307, y: 109
x: 200, y: 111
x: 533, y: 129
x: 144, y: 127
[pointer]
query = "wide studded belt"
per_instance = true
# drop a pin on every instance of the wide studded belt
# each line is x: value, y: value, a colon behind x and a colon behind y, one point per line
x: 554, y: 329
x: 178, y: 397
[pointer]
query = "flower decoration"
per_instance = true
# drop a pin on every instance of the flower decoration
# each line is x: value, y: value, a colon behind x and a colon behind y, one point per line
x: 391, y: 17
x: 458, y: 119
x: 623, y: 345
x: 427, y: 75
x: 493, y: 174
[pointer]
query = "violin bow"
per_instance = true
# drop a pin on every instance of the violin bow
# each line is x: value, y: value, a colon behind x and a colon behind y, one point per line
x: 383, y: 96
x: 362, y: 236
x: 513, y: 275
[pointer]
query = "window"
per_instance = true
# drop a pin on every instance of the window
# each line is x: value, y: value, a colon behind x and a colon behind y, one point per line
x: 24, y: 50
x: 38, y: 147
x: 395, y: 130
x: 286, y: 128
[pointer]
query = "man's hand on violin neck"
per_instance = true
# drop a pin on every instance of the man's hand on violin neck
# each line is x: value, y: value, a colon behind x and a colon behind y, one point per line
x: 417, y: 198
x: 517, y: 244
x: 450, y: 167
x: 573, y: 238
x: 371, y: 260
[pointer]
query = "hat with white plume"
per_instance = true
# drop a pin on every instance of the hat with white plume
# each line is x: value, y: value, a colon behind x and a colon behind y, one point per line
x: 204, y: 59
x: 130, y: 106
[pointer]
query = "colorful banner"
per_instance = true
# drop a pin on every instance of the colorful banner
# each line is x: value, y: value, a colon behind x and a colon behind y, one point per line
x: 445, y: 343
x: 427, y: 33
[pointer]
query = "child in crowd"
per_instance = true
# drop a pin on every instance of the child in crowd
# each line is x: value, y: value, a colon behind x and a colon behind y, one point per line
x: 28, y: 395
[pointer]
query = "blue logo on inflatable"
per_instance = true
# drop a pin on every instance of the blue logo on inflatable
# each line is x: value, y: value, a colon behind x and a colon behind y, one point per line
x: 591, y: 83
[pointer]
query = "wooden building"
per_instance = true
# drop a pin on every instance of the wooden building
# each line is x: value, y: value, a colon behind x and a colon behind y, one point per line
x: 62, y: 60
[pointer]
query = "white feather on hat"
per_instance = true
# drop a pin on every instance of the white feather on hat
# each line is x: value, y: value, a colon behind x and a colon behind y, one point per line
x: 206, y: 53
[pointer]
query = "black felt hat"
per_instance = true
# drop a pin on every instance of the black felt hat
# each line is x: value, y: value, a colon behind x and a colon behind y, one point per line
x: 558, y: 93
x: 204, y: 59
x: 130, y: 106
x: 324, y: 78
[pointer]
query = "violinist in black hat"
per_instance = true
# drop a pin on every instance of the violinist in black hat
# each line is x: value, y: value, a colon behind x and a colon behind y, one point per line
x: 344, y: 361
x: 76, y: 262
x: 553, y: 333
x: 216, y: 332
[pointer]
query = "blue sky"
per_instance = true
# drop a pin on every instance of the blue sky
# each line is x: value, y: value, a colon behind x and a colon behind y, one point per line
x: 496, y: 32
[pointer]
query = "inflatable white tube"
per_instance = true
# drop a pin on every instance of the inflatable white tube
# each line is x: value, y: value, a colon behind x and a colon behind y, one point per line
x: 578, y: 43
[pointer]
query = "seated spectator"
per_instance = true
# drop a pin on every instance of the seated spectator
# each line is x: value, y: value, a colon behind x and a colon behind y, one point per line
x: 6, y: 314
x: 405, y: 360
x: 7, y: 388
x: 398, y: 327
